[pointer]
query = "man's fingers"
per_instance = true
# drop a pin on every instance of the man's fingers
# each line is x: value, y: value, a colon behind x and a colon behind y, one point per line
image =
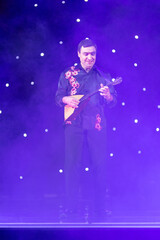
x: 76, y: 102
x: 104, y: 89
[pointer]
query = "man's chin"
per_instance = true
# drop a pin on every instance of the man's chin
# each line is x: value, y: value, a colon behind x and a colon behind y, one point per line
x: 90, y: 65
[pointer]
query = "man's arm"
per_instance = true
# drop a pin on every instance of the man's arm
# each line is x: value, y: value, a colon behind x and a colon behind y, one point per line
x: 62, y: 90
x: 61, y: 94
x: 105, y: 92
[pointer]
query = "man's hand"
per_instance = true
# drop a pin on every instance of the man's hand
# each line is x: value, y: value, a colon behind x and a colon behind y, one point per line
x: 71, y: 101
x: 104, y: 91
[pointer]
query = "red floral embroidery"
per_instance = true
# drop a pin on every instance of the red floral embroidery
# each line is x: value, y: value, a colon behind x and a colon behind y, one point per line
x: 68, y: 122
x: 72, y: 80
x: 74, y: 73
x: 72, y: 68
x: 68, y: 74
x: 73, y: 91
x: 77, y: 85
x: 97, y: 123
x: 74, y: 85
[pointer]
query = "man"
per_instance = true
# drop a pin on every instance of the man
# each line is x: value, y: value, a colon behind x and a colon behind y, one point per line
x: 88, y: 126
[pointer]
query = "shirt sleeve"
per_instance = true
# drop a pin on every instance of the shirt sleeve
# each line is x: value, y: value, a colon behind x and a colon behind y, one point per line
x: 108, y: 82
x: 62, y: 90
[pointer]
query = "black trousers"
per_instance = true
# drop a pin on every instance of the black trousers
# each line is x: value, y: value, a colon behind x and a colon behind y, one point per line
x: 95, y: 141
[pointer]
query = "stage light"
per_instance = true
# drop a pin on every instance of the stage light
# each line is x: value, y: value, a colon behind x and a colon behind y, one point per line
x: 136, y: 120
x: 113, y: 79
x: 25, y: 135
x: 136, y: 36
x: 135, y: 64
x: 86, y: 169
x: 113, y: 50
x: 32, y: 83
x: 123, y: 104
x: 144, y: 89
x: 0, y: 111
x: 158, y: 106
x: 35, y: 5
x: 114, y: 128
x: 63, y: 2
x: 61, y: 42
x: 17, y: 57
x: 75, y: 64
x: 42, y: 54
x: 86, y: 0
x: 139, y: 152
x: 60, y: 170
x: 157, y: 129
x: 21, y: 177
x: 46, y: 130
x: 7, y: 84
x: 111, y: 154
x: 78, y: 20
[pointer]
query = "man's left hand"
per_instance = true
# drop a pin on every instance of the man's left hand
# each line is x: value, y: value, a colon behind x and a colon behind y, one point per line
x: 104, y: 91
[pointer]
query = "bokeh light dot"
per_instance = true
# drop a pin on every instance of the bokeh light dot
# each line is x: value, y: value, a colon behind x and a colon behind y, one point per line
x: 17, y: 57
x: 75, y: 64
x: 123, y: 104
x: 113, y: 79
x: 0, y: 111
x: 144, y: 89
x: 46, y: 130
x: 113, y: 50
x: 32, y: 83
x: 7, y: 84
x: 35, y: 5
x: 42, y: 54
x: 60, y: 42
x: 158, y: 106
x: 136, y: 36
x: 21, y: 177
x: 157, y: 129
x: 136, y: 120
x: 111, y: 154
x: 78, y: 20
x: 86, y: 169
x: 139, y: 152
x: 114, y: 128
x: 135, y: 64
x: 60, y: 170
x: 86, y: 0
x: 25, y: 135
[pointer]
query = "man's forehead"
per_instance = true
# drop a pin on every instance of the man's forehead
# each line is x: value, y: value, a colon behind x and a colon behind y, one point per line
x: 88, y: 49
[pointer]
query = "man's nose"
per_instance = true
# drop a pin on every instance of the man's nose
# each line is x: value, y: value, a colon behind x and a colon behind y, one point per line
x: 89, y: 56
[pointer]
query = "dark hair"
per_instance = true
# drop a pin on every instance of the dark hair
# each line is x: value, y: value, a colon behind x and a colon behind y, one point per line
x: 86, y: 43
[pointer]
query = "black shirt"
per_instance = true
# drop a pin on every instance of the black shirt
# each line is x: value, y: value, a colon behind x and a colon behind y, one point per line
x: 75, y: 80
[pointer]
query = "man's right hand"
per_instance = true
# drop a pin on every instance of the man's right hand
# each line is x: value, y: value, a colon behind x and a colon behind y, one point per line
x: 71, y: 101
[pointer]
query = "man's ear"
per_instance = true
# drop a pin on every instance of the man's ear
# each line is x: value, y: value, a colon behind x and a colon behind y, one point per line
x: 78, y: 53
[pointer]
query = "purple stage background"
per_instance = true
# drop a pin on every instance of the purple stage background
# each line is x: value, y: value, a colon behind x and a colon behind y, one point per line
x: 38, y: 40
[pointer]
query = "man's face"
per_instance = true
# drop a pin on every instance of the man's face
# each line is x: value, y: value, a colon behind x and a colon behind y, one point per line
x: 87, y: 57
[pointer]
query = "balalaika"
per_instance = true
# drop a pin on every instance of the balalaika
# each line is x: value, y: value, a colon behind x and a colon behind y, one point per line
x: 71, y: 113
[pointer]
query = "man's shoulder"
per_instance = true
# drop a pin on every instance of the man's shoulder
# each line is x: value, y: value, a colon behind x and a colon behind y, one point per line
x: 72, y: 68
x: 70, y: 72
